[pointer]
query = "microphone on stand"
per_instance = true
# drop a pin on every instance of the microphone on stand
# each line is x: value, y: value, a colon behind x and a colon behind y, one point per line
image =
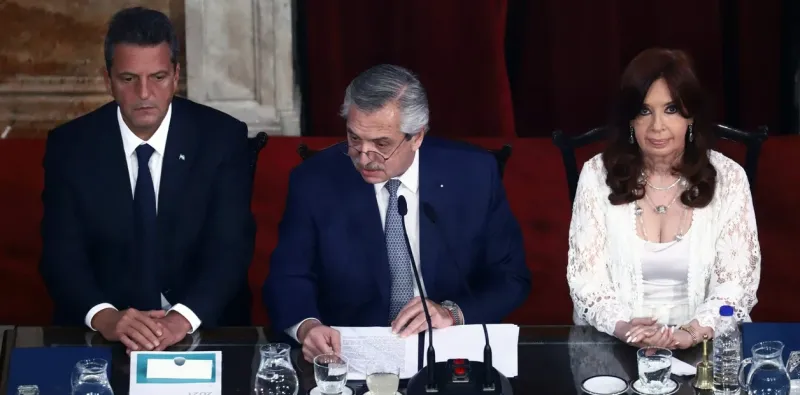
x: 456, y: 376
x: 488, y: 379
x: 402, y: 209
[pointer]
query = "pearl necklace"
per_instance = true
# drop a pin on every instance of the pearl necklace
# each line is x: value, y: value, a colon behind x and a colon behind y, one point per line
x: 643, y: 177
x: 664, y: 188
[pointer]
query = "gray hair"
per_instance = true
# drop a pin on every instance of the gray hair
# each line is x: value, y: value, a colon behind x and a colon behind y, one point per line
x: 373, y: 89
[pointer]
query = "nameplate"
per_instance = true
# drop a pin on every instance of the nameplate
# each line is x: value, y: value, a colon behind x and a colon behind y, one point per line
x: 168, y: 373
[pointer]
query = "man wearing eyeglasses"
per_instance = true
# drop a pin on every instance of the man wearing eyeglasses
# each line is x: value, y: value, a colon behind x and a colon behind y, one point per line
x: 341, y: 259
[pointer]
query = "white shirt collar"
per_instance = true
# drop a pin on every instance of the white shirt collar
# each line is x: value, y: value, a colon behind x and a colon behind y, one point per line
x: 409, y: 179
x: 158, y: 141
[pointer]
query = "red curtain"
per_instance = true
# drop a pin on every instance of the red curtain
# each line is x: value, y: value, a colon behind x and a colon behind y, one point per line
x: 528, y: 67
x: 457, y: 50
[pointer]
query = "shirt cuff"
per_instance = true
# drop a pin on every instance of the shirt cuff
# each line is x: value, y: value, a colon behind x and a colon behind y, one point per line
x: 292, y: 331
x: 94, y: 310
x: 189, y: 315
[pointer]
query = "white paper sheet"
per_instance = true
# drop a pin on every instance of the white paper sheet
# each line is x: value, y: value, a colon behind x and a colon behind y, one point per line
x: 681, y: 368
x: 361, y: 345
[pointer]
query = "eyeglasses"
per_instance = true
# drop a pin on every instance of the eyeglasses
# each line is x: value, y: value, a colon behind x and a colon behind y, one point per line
x: 373, y: 156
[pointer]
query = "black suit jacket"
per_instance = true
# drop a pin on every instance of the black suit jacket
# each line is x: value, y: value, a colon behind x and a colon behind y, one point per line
x: 205, y: 228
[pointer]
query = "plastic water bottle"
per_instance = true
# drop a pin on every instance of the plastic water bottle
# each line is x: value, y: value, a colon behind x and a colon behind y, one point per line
x: 727, y: 353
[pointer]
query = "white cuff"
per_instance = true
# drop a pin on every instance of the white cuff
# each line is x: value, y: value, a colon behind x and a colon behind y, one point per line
x: 292, y: 331
x: 94, y: 310
x: 188, y: 314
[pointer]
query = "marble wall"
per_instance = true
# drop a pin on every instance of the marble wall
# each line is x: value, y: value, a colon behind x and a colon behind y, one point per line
x: 51, y: 59
x: 240, y: 59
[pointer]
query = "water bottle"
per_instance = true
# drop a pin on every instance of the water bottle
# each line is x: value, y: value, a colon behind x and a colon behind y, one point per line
x: 727, y: 353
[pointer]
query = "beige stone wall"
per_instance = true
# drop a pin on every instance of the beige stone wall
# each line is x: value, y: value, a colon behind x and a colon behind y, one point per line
x: 51, y: 59
x: 240, y: 61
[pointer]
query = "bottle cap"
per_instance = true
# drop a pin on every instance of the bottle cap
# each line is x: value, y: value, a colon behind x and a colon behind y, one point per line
x: 726, y: 311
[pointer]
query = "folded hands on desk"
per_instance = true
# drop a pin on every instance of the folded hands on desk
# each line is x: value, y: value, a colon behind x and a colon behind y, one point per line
x: 141, y: 330
x: 647, y: 332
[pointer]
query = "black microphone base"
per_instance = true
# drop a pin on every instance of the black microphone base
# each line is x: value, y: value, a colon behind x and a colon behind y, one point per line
x: 452, y: 380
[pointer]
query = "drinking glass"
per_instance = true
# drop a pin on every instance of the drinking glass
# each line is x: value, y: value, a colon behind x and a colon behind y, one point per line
x: 28, y: 390
x: 655, y: 367
x: 90, y: 377
x: 330, y: 372
x: 383, y: 378
x: 793, y: 367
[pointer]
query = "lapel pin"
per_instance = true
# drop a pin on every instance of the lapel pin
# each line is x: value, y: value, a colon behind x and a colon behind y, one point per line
x: 181, y: 157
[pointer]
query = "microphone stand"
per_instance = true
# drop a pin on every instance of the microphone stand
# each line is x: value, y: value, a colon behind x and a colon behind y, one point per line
x: 491, y: 381
x: 402, y: 209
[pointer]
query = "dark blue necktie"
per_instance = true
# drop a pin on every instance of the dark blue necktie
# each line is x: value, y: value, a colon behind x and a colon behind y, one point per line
x: 147, y: 292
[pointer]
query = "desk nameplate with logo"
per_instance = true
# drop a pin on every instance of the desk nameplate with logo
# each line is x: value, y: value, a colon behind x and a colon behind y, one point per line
x: 169, y: 373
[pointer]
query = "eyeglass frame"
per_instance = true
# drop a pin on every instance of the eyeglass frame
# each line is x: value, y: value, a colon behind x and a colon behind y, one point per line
x: 345, y: 149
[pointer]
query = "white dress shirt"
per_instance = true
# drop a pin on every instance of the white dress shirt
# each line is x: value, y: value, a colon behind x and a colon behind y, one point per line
x: 409, y: 187
x: 159, y: 143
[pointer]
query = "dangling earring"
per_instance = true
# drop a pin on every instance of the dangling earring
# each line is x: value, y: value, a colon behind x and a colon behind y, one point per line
x: 630, y: 139
x: 691, y: 134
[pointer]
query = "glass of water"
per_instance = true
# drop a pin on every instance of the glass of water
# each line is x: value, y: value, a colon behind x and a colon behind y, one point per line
x: 28, y: 390
x: 655, y: 367
x: 330, y: 372
x: 383, y: 378
x: 90, y: 377
x: 793, y: 368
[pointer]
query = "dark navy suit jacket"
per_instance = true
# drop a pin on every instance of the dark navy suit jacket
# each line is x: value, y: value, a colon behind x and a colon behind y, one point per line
x: 331, y: 261
x: 205, y: 228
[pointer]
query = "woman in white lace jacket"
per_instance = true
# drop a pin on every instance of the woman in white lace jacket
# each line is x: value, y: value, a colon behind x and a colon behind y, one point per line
x: 663, y: 231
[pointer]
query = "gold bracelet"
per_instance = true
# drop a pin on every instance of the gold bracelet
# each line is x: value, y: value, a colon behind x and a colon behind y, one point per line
x: 688, y: 329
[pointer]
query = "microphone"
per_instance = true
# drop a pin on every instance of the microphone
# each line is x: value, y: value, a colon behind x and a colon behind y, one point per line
x: 402, y: 209
x: 488, y: 379
x: 456, y: 376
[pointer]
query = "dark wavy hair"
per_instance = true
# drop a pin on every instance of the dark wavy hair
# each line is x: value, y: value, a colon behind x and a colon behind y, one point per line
x: 624, y: 162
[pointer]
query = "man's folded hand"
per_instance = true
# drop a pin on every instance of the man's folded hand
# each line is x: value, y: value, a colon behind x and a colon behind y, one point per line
x: 176, y: 327
x: 137, y: 330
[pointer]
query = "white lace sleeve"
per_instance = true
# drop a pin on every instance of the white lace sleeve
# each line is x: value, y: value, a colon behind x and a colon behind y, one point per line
x: 593, y: 294
x: 736, y: 272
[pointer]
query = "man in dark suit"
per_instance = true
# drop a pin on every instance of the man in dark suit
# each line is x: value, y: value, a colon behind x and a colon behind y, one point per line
x: 341, y: 259
x: 147, y: 231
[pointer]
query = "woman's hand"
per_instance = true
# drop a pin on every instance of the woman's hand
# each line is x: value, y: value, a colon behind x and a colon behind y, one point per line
x: 636, y: 329
x: 654, y: 336
x: 684, y: 339
x: 646, y: 332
